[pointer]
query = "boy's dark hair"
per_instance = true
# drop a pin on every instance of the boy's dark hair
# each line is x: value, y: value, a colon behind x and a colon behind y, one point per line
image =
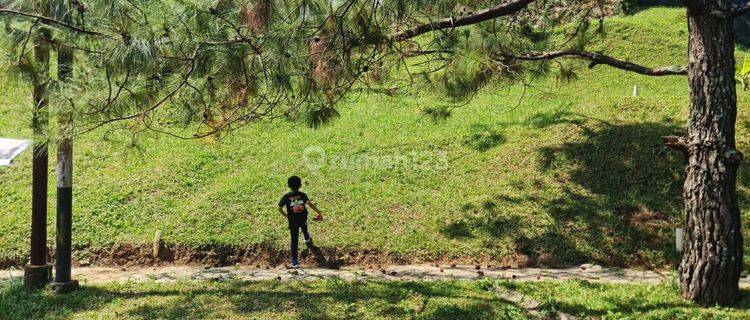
x: 294, y: 182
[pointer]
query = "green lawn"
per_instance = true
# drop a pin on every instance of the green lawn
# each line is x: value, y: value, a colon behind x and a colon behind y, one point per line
x: 337, y: 299
x: 572, y: 173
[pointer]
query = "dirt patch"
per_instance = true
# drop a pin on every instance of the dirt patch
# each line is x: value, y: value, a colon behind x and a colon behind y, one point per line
x: 8, y: 262
x: 128, y: 255
x: 655, y: 227
x: 655, y: 230
x: 648, y: 220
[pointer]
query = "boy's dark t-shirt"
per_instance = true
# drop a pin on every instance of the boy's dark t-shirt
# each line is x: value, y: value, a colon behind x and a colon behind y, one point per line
x: 295, y: 203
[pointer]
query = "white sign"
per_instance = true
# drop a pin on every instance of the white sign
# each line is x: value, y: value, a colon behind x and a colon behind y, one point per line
x: 11, y: 148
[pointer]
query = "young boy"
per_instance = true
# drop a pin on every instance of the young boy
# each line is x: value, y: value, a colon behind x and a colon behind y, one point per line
x: 296, y: 213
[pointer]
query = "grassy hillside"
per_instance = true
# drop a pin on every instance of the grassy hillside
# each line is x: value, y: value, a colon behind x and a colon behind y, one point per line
x: 572, y: 173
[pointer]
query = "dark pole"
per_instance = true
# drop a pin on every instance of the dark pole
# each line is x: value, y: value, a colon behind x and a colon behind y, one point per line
x: 39, y: 205
x: 63, y: 282
x: 64, y: 169
x: 37, y: 273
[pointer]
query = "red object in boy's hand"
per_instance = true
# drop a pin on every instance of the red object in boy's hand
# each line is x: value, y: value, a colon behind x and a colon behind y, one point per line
x: 318, y: 218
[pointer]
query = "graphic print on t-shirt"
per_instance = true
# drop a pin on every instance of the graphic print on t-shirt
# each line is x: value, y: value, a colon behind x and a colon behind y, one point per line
x: 297, y: 204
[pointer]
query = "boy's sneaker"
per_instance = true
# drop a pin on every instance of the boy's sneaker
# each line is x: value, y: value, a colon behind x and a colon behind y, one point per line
x: 308, y: 242
x: 295, y: 264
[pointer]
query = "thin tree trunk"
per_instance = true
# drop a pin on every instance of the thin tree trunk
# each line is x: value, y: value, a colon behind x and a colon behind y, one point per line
x: 37, y: 274
x: 40, y: 122
x: 712, y: 263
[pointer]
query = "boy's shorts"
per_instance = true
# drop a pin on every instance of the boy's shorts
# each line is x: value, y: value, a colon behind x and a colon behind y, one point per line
x: 297, y: 224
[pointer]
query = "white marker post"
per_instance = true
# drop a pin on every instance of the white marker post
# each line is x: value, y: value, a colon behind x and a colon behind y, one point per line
x: 679, y: 235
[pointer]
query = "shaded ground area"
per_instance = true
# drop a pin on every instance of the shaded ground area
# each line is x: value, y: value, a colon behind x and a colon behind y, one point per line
x: 611, y: 196
x: 338, y: 299
x: 588, y: 300
x: 333, y: 299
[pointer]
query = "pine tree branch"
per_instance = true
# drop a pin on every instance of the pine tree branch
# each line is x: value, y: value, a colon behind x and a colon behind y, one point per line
x: 183, y: 82
x: 598, y: 58
x: 53, y: 21
x: 452, y: 22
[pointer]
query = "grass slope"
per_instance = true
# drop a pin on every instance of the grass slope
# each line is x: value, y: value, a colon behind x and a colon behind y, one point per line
x: 337, y: 299
x: 571, y: 174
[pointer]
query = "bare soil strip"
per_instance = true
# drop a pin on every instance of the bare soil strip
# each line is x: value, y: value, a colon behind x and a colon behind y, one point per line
x: 214, y: 255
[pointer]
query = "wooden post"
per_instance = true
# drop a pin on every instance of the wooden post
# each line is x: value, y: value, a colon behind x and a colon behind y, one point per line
x: 37, y: 273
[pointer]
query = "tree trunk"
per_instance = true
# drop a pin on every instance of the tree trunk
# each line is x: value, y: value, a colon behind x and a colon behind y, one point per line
x: 712, y: 263
x: 37, y: 273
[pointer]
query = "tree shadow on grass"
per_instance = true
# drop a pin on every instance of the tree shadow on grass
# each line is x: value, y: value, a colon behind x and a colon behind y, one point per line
x: 606, y: 300
x: 621, y: 194
x: 612, y: 194
x: 483, y: 137
x: 486, y: 218
x: 332, y: 299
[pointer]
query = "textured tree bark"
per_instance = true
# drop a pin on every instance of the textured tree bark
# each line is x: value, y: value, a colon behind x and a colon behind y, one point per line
x: 712, y: 263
